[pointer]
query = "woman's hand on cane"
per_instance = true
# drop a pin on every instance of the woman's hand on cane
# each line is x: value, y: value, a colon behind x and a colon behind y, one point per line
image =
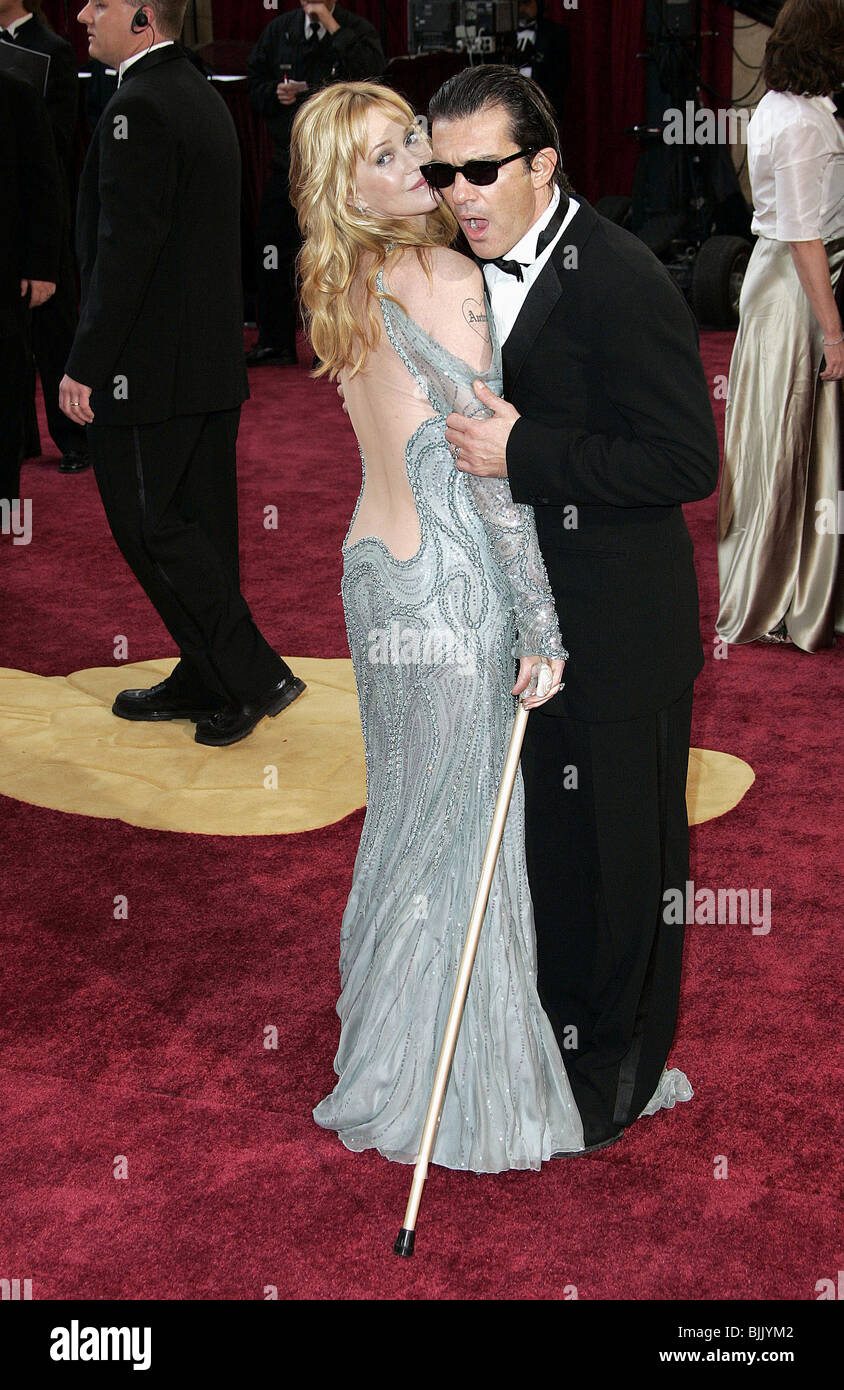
x: 529, y: 667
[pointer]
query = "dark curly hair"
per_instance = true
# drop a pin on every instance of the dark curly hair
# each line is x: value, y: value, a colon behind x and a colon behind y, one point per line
x: 805, y: 52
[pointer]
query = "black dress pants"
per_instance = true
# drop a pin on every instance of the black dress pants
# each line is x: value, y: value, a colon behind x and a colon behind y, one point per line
x: 170, y: 495
x: 12, y: 386
x: 278, y: 242
x: 606, y: 835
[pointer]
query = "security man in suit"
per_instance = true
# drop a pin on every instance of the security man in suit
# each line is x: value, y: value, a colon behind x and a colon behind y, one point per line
x: 30, y: 232
x: 156, y: 370
x: 22, y: 24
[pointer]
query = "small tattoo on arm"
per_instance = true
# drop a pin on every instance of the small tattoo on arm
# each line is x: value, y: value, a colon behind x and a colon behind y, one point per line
x: 474, y: 312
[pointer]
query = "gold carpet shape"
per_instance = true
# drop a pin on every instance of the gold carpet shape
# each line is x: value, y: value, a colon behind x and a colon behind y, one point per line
x: 62, y: 748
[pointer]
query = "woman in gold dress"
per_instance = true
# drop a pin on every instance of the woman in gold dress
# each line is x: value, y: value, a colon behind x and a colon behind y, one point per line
x: 779, y: 551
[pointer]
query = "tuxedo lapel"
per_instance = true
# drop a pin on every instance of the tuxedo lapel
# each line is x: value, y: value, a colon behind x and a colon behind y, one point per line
x: 532, y: 317
x: 546, y: 292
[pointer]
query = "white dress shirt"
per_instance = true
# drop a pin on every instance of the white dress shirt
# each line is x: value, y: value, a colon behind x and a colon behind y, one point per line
x: 127, y: 62
x: 507, y: 293
x: 526, y: 41
x: 795, y: 156
x: 15, y: 25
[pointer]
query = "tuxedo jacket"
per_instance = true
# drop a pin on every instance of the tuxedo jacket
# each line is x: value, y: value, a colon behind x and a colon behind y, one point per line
x: 30, y: 223
x: 62, y: 93
x: 616, y: 432
x: 158, y: 238
x: 552, y: 62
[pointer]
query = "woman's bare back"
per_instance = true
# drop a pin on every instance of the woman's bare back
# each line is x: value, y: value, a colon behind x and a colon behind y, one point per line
x: 385, y: 404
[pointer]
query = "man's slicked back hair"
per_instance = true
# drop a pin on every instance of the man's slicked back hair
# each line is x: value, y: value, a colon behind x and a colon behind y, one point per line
x: 531, y: 116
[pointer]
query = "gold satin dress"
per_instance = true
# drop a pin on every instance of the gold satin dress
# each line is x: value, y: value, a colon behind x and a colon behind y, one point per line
x: 779, y: 558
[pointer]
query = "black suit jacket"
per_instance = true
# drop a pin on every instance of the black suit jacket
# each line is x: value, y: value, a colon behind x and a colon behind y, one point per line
x: 62, y: 94
x: 352, y: 54
x: 158, y: 237
x: 30, y: 224
x: 604, y: 368
x: 551, y: 62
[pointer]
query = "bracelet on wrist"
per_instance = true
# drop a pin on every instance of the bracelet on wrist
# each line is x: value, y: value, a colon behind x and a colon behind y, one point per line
x: 833, y: 342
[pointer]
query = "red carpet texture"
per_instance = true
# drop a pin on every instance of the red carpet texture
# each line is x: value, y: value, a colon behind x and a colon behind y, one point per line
x: 153, y: 1147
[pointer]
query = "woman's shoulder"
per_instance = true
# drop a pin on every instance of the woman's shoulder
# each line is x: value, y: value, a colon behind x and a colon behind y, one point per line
x: 446, y: 300
x: 779, y: 111
x: 447, y: 273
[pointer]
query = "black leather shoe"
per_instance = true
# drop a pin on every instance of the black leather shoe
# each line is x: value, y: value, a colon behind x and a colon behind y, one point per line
x: 159, y: 702
x: 236, y: 721
x: 74, y: 463
x: 271, y: 357
x: 590, y: 1148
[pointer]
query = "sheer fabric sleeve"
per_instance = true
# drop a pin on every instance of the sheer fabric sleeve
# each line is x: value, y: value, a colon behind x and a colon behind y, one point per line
x: 511, y: 529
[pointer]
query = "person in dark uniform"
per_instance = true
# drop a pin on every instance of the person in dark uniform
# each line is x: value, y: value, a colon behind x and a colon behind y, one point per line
x: 53, y: 328
x: 29, y: 253
x: 297, y: 53
x: 543, y: 52
x: 157, y: 372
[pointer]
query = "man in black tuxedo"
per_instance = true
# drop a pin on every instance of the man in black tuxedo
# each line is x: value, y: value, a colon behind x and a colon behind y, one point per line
x: 606, y: 429
x: 156, y: 370
x: 297, y: 54
x: 29, y: 253
x: 543, y: 52
x: 22, y: 25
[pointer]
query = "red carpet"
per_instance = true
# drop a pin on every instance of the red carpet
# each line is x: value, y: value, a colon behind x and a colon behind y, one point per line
x: 144, y: 1038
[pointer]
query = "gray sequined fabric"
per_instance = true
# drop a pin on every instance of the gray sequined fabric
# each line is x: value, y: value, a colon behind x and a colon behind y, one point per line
x: 432, y: 640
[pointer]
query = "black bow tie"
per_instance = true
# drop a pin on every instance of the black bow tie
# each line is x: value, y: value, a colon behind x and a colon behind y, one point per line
x: 7, y: 37
x: 543, y: 241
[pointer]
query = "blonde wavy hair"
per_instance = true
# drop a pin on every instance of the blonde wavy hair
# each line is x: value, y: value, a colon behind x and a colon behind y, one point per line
x: 328, y: 138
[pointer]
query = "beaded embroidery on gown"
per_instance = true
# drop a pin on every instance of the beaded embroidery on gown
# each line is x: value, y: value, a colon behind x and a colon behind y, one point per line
x: 433, y: 639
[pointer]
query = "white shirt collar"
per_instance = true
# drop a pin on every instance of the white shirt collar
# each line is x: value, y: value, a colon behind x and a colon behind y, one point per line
x: 525, y: 250
x: 321, y: 29
x: 127, y: 62
x: 507, y: 293
x: 16, y: 24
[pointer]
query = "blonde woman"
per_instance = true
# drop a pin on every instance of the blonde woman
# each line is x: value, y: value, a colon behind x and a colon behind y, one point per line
x: 443, y: 584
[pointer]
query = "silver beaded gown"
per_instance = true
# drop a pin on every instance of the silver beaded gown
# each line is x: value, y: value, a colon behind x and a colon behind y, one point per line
x: 433, y: 640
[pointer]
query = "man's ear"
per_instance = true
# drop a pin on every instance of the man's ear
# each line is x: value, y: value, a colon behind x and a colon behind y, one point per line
x: 542, y: 167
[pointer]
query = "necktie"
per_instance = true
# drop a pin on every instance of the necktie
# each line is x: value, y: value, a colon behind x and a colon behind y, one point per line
x: 6, y: 36
x: 543, y: 241
x: 313, y: 31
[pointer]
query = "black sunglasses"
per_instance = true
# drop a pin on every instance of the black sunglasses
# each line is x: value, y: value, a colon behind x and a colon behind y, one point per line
x: 480, y: 171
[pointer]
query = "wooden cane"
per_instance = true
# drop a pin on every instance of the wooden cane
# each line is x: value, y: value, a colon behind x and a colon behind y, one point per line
x: 406, y: 1238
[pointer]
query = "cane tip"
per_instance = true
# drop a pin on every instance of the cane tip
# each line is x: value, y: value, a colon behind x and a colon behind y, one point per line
x: 405, y: 1242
